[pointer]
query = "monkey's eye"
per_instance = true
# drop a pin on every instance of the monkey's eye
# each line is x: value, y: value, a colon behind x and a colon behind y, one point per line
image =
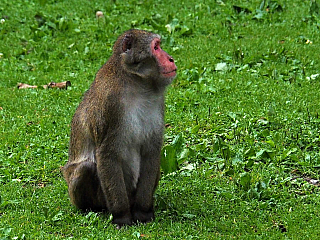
x: 156, y: 46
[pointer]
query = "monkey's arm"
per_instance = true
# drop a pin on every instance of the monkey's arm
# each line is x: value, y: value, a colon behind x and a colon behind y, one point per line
x: 110, y: 173
x: 148, y: 180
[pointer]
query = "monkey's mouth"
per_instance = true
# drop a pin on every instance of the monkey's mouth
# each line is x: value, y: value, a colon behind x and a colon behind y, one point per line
x: 170, y: 73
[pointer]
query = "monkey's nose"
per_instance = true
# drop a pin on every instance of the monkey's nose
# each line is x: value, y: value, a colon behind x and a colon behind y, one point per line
x: 171, y: 59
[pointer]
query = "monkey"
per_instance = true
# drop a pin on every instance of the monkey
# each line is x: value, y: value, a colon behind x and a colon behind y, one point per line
x: 117, y: 131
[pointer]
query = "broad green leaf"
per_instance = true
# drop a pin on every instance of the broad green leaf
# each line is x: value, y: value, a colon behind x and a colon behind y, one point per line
x: 245, y: 180
x: 169, y: 159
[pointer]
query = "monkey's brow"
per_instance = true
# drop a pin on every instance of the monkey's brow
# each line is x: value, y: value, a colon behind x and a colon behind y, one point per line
x: 156, y: 36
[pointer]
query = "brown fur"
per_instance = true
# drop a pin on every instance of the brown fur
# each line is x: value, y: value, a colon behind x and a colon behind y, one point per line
x: 116, y: 132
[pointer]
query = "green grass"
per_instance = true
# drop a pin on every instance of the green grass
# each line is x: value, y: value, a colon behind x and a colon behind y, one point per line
x: 242, y: 115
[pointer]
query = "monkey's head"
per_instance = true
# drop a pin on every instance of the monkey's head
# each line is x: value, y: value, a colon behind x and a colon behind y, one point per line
x: 141, y: 55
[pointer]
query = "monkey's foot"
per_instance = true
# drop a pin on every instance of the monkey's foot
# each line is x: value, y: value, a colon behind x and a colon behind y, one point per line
x: 121, y: 221
x: 142, y: 216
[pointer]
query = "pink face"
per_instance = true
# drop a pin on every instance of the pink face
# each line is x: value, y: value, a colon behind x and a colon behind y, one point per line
x: 167, y: 67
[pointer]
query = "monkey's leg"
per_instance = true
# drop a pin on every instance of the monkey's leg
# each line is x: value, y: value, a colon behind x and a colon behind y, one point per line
x: 84, y: 186
x: 148, y: 180
x: 110, y: 173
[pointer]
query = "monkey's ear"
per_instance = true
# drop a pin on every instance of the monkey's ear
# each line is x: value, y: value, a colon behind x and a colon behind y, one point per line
x: 127, y: 42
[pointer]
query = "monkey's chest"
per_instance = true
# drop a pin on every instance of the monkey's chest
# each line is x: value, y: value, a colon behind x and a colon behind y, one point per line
x: 142, y: 124
x: 142, y: 121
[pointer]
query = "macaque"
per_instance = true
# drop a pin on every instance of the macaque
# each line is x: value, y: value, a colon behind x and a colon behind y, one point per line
x: 117, y: 131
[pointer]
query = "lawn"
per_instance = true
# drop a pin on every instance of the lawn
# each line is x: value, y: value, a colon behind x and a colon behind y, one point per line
x: 241, y: 155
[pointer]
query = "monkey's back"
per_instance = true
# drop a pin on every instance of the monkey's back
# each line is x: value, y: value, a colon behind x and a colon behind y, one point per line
x: 97, y: 115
